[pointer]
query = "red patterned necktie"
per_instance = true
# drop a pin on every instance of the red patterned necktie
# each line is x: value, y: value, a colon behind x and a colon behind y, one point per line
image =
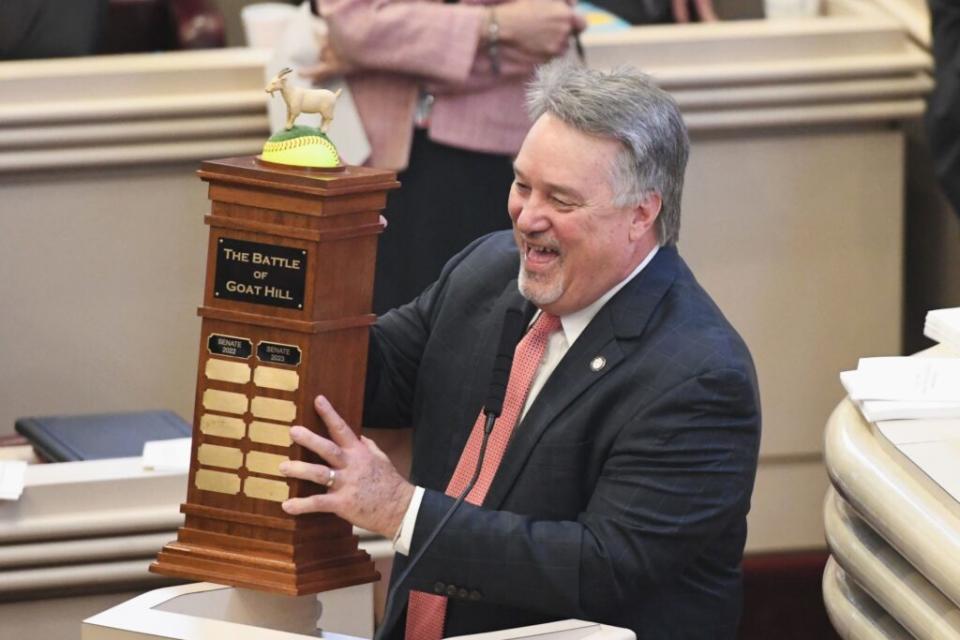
x: 426, y: 612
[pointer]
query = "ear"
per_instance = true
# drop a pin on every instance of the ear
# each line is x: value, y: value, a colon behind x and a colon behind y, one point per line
x: 645, y: 215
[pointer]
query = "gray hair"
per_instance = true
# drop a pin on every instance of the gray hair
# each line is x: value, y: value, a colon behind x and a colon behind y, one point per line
x: 625, y: 105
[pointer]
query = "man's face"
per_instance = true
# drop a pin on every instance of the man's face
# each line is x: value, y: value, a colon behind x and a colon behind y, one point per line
x: 574, y: 243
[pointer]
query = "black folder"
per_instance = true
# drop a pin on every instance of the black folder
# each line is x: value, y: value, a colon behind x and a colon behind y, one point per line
x: 93, y: 437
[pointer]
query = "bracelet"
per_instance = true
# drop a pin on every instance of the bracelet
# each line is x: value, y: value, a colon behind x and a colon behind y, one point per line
x: 493, y: 41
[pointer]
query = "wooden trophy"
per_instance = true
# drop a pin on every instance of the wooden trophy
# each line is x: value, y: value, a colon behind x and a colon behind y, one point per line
x: 285, y: 317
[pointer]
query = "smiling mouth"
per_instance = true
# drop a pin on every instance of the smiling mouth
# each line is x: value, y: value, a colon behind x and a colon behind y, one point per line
x: 535, y: 254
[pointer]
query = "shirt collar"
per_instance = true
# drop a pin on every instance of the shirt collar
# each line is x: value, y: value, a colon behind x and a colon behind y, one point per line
x: 574, y: 323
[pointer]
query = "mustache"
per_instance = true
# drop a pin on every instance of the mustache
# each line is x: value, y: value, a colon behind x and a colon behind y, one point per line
x: 541, y: 240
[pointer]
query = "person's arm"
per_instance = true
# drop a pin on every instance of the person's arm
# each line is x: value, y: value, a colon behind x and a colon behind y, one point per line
x: 397, y: 342
x: 674, y: 480
x: 678, y: 474
x: 943, y: 108
x: 442, y: 42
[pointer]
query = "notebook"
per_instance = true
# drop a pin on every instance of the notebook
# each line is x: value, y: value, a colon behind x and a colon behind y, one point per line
x: 93, y: 437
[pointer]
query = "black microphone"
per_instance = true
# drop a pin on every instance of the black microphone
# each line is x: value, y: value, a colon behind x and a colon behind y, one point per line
x: 510, y: 334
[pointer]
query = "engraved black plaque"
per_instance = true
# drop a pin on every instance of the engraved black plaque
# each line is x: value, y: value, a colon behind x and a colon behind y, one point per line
x: 221, y: 345
x: 260, y: 273
x: 278, y: 353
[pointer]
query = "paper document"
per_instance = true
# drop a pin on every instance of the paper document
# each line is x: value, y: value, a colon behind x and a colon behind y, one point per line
x: 901, y: 432
x: 943, y: 325
x: 876, y: 410
x: 12, y: 473
x: 924, y: 379
x: 167, y: 455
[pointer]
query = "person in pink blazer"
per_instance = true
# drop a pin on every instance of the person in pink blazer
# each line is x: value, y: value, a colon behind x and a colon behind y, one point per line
x: 439, y: 87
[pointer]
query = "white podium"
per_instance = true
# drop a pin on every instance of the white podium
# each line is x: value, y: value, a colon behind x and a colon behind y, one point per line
x: 204, y: 611
x: 892, y: 522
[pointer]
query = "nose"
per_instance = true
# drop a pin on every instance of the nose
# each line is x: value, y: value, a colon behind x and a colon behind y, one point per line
x: 530, y: 214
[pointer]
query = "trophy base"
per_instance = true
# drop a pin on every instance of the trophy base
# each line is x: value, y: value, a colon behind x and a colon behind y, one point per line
x: 191, y: 563
x: 321, y: 556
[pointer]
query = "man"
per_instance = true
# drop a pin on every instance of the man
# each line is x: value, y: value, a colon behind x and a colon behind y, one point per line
x: 621, y: 493
x: 943, y: 107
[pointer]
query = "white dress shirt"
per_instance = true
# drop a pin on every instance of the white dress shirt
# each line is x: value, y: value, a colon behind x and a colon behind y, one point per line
x: 559, y: 343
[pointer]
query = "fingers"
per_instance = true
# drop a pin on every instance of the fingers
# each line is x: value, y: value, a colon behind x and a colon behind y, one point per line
x: 321, y: 446
x: 311, y: 504
x: 340, y: 431
x: 579, y: 23
x: 315, y: 473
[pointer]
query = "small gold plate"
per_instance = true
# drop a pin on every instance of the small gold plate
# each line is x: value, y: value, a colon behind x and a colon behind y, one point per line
x: 222, y: 426
x: 226, y: 401
x: 216, y: 456
x: 273, y: 409
x: 268, y: 433
x: 236, y: 372
x: 218, y: 481
x: 273, y: 378
x: 266, y: 489
x: 267, y: 463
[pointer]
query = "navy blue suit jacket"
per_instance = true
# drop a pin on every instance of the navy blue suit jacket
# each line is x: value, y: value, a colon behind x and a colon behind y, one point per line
x: 623, y: 494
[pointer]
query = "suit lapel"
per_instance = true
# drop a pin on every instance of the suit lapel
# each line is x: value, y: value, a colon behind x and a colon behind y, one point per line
x: 608, y: 336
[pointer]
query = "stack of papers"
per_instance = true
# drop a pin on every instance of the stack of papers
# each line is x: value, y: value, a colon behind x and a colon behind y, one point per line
x: 943, y: 325
x: 12, y: 474
x: 905, y: 388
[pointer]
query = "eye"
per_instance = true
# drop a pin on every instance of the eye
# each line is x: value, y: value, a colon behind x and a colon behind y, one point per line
x: 521, y: 187
x: 562, y: 203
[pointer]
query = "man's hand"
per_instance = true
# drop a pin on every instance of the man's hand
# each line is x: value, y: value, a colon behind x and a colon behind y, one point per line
x: 705, y: 10
x: 367, y: 491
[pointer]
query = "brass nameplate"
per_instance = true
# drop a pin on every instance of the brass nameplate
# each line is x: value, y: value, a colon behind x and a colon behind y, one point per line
x: 274, y: 378
x: 260, y: 273
x: 226, y: 401
x: 218, y: 481
x: 267, y: 463
x: 266, y: 489
x: 213, y: 455
x: 236, y: 372
x: 230, y: 346
x: 222, y: 426
x: 268, y: 433
x: 273, y: 409
x: 288, y: 354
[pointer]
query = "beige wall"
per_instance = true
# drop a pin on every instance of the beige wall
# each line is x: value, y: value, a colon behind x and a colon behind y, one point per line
x: 102, y: 275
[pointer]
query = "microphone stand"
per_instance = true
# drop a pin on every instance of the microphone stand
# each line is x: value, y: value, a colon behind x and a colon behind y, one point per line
x: 513, y: 326
x: 487, y: 429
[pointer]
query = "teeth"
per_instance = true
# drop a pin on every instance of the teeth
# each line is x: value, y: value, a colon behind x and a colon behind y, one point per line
x: 542, y: 249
